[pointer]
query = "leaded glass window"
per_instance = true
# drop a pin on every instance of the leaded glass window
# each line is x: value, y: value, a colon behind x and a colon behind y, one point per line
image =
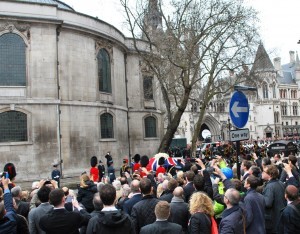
x: 148, y: 87
x: 107, y: 126
x: 104, y: 74
x: 13, y: 126
x: 150, y: 127
x: 12, y: 60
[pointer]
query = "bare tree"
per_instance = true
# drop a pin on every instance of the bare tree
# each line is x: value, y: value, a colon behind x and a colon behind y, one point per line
x: 191, y: 44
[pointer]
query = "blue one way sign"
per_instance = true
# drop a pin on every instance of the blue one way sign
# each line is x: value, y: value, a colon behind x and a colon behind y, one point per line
x: 239, y: 109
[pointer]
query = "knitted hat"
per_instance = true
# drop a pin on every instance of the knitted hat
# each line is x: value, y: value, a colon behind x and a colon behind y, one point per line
x: 227, y: 172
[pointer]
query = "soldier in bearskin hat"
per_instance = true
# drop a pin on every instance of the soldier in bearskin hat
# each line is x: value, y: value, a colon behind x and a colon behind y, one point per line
x: 160, y: 169
x: 136, y: 163
x: 94, y: 172
x: 144, y: 163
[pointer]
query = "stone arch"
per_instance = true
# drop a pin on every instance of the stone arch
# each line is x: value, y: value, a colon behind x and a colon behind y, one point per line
x: 213, y: 126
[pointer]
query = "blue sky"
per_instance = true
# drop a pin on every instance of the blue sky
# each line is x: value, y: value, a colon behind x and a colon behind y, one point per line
x: 279, y: 21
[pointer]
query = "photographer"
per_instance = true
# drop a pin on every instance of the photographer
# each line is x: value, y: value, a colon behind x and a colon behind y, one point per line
x: 290, y: 170
x: 8, y: 216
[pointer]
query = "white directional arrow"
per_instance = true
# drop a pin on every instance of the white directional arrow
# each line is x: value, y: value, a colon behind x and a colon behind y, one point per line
x: 235, y: 109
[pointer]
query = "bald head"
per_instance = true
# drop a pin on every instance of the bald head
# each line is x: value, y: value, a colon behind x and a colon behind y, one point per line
x: 178, y: 192
x: 135, y: 186
x: 291, y: 193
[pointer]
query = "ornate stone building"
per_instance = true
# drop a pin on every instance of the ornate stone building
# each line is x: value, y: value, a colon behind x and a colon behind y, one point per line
x: 71, y: 86
x: 274, y: 108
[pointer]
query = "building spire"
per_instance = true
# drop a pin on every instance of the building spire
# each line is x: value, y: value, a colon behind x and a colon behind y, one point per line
x: 153, y: 18
x: 262, y: 60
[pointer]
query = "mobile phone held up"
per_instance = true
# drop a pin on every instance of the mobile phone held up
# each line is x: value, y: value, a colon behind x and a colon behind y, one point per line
x: 4, y: 174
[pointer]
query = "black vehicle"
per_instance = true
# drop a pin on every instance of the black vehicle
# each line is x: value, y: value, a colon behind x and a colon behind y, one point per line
x: 287, y: 147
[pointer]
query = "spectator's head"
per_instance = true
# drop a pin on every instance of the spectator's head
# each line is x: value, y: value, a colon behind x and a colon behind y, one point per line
x: 125, y: 190
x: 270, y: 172
x: 117, y: 184
x: 160, y: 177
x: 265, y: 162
x: 145, y: 186
x: 198, y: 182
x: 237, y: 184
x: 291, y: 193
x: 172, y: 184
x: 16, y: 192
x: 201, y: 202
x: 251, y: 182
x: 232, y: 197
x: 246, y: 165
x: 84, y: 178
x: 66, y: 190
x: 194, y: 169
x: 254, y: 170
x: 123, y: 180
x: 56, y: 197
x: 43, y: 194
x: 162, y: 210
x: 35, y: 185
x: 99, y: 186
x: 293, y: 159
x: 189, y: 175
x: 98, y: 204
x: 135, y: 186
x: 178, y: 192
x: 11, y: 169
x: 108, y: 195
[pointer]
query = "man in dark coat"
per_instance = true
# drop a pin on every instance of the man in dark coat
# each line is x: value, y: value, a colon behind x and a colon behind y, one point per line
x: 255, y: 207
x: 108, y: 158
x: 110, y: 220
x: 135, y: 198
x: 179, y: 209
x: 161, y: 225
x: 290, y: 216
x: 61, y: 221
x: 101, y: 169
x: 189, y: 187
x: 143, y: 212
x: 233, y: 218
x: 168, y: 194
x: 273, y: 193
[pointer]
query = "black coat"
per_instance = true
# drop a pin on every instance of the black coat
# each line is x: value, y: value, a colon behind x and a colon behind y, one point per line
x: 142, y: 213
x: 232, y: 221
x: 290, y: 218
x: 85, y: 196
x: 162, y: 227
x: 200, y: 223
x: 127, y: 207
x: 188, y: 190
x: 166, y: 196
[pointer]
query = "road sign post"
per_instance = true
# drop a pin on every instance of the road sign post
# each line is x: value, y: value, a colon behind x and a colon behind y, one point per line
x: 239, y: 114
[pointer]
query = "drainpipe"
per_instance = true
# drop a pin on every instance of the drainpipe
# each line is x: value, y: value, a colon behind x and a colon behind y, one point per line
x: 127, y: 99
x: 58, y: 29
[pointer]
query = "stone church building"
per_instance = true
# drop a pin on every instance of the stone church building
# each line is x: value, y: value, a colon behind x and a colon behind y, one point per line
x: 71, y: 86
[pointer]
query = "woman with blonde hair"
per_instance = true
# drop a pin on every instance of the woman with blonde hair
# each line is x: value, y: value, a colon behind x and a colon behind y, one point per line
x: 201, y: 209
x: 86, y: 191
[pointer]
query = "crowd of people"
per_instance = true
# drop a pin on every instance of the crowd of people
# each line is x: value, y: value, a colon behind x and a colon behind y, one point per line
x: 195, y: 197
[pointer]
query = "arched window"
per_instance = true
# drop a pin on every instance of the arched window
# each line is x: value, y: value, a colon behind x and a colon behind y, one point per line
x: 13, y: 126
x: 104, y: 74
x: 107, y: 125
x: 274, y: 91
x: 265, y: 91
x: 12, y: 60
x: 150, y: 127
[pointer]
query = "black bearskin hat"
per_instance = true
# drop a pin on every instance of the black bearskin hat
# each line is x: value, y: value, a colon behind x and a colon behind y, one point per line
x: 144, y: 161
x: 94, y: 161
x: 11, y: 169
x: 161, y: 161
x: 137, y: 158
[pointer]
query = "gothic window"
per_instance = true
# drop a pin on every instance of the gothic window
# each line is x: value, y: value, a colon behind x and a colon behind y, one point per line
x: 12, y: 60
x: 283, y: 108
x: 13, y: 126
x: 150, y: 127
x: 104, y: 73
x: 148, y: 87
x: 265, y: 91
x: 295, y: 108
x: 107, y: 126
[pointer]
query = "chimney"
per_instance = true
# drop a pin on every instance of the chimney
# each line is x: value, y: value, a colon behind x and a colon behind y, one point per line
x: 292, y: 56
x: 277, y: 63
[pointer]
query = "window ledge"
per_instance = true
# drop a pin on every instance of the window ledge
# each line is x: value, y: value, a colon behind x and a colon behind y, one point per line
x: 16, y: 143
x: 151, y: 138
x: 108, y: 140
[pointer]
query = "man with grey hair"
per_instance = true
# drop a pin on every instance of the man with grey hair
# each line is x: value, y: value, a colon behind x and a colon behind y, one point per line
x: 179, y: 209
x: 233, y: 218
x: 23, y: 207
x: 135, y: 196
